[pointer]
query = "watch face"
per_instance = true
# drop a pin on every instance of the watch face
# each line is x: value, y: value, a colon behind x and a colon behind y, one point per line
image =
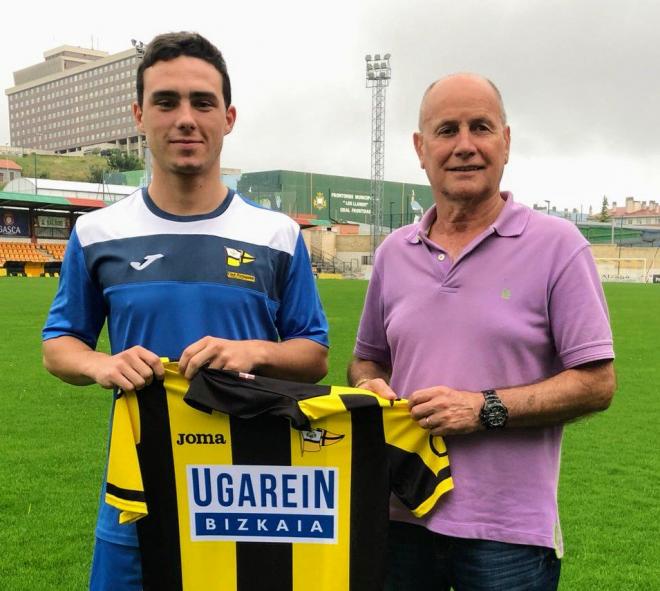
x: 496, y: 416
x: 493, y: 414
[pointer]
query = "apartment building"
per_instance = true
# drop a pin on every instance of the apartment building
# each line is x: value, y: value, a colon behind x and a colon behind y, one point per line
x: 76, y: 99
x: 636, y: 213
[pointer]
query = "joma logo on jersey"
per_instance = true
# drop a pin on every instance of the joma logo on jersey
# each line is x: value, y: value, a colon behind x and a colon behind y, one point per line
x: 200, y: 439
x: 263, y: 503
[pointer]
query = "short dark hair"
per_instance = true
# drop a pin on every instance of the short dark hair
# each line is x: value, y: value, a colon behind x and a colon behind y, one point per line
x: 169, y: 46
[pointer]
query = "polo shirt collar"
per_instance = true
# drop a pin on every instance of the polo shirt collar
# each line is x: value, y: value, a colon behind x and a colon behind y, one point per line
x: 513, y: 218
x: 422, y: 227
x: 510, y: 222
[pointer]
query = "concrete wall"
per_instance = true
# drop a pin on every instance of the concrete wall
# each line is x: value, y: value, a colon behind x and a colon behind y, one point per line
x: 354, y: 259
x: 651, y: 254
x: 353, y: 243
x: 324, y: 241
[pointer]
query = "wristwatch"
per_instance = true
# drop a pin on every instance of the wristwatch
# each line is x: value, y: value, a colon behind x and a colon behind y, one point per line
x: 493, y: 413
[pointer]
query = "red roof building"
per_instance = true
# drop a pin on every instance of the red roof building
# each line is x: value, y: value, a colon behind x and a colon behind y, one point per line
x: 636, y: 213
x: 9, y: 171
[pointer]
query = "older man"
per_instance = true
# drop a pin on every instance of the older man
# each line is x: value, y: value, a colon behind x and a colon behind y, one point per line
x: 490, y: 318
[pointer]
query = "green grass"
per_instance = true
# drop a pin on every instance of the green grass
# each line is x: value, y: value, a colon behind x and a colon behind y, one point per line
x: 72, y: 168
x: 51, y: 450
x: 52, y: 441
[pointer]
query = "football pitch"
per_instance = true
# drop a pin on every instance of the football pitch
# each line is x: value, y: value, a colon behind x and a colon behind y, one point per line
x: 53, y: 436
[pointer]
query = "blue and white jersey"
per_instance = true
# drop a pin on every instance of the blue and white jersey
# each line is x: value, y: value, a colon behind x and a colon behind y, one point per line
x: 164, y: 281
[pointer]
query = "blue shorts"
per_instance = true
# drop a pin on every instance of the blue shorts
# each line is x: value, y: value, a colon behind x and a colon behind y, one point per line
x: 115, y: 567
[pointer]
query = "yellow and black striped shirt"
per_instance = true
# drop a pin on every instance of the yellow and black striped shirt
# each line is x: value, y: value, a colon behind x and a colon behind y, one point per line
x: 239, y: 482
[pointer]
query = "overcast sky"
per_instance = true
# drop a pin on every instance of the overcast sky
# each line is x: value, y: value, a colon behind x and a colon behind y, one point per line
x: 580, y: 80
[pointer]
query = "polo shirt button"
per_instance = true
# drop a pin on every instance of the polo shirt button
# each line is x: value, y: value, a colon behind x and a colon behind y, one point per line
x: 441, y: 257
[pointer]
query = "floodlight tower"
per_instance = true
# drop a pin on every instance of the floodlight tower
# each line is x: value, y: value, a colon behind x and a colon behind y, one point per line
x: 378, y: 75
x: 139, y: 47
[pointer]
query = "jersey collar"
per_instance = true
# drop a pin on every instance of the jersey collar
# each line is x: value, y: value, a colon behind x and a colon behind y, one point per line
x: 153, y: 208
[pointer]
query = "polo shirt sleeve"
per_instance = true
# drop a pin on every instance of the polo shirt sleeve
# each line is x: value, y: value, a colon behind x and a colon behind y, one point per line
x: 371, y: 343
x: 78, y: 309
x: 300, y: 314
x: 578, y: 312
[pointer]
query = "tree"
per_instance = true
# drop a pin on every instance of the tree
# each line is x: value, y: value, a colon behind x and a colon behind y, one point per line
x: 604, y: 215
x: 96, y: 174
x: 121, y: 161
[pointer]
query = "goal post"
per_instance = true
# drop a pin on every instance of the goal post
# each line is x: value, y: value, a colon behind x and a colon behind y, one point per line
x: 622, y: 269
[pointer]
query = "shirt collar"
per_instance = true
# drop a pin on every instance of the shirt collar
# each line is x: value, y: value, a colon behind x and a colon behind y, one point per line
x: 511, y: 221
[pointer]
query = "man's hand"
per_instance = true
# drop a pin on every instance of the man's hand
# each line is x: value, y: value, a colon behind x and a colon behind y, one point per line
x: 75, y: 362
x: 132, y: 369
x: 377, y: 386
x: 444, y: 411
x: 220, y: 354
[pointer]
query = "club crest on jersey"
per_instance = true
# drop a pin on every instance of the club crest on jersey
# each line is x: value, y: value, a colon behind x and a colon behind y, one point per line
x: 315, y: 439
x: 263, y: 503
x: 235, y: 258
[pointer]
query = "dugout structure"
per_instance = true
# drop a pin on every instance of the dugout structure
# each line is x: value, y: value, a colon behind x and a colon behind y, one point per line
x: 34, y: 230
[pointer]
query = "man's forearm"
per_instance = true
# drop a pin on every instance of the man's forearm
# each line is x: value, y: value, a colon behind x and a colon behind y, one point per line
x: 300, y: 360
x: 362, y: 370
x: 69, y: 359
x: 74, y: 362
x: 567, y: 396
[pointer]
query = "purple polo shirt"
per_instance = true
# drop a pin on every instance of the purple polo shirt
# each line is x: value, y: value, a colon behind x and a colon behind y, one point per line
x: 522, y: 303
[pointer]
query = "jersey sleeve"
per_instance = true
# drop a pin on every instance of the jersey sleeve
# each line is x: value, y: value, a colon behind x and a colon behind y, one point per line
x: 300, y: 314
x: 124, y: 487
x: 78, y: 309
x: 419, y: 463
x: 578, y: 313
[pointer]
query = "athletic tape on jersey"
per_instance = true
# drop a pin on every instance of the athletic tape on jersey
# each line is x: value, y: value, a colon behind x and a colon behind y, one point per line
x: 252, y: 483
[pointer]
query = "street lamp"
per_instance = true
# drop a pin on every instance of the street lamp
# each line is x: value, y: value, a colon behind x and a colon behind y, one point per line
x: 38, y: 135
x: 139, y: 52
x: 6, y: 176
x: 391, y: 204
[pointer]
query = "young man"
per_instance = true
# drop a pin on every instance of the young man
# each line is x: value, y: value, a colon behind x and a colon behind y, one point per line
x: 491, y: 320
x: 185, y: 269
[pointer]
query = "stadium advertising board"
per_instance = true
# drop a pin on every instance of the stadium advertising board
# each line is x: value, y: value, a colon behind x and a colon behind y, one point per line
x: 352, y: 203
x: 50, y: 221
x: 14, y: 223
